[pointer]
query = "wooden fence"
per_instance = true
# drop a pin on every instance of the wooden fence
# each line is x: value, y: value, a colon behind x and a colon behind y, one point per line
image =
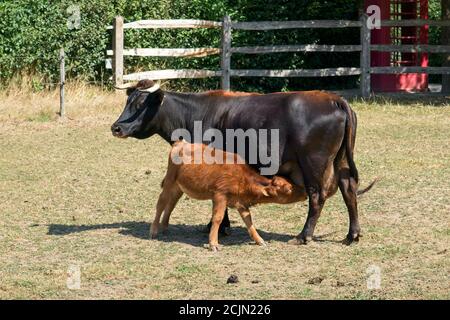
x: 364, y: 70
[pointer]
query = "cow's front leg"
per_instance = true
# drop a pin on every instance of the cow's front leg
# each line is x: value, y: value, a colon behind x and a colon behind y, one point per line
x: 225, y: 226
x: 316, y: 202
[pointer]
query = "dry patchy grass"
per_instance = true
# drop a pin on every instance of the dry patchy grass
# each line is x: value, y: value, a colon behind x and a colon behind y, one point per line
x: 72, y: 194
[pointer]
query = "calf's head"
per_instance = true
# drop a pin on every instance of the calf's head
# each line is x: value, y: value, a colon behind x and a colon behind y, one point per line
x: 138, y: 117
x: 286, y: 191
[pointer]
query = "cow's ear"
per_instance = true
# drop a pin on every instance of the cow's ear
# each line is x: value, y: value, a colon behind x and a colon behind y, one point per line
x: 154, y: 99
x: 158, y: 97
x: 130, y: 91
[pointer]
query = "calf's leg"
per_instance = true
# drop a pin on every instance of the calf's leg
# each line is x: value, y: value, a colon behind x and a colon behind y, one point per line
x: 167, y: 200
x: 163, y: 199
x: 219, y: 206
x: 176, y: 195
x: 247, y: 217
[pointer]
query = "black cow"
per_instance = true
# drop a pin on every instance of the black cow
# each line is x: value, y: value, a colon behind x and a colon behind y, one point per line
x: 316, y: 132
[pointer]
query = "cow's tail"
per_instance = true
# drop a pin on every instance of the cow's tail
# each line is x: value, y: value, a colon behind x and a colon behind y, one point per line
x: 349, y: 136
x: 361, y: 192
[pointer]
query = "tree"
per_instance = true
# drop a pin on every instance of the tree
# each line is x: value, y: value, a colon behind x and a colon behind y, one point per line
x: 445, y: 40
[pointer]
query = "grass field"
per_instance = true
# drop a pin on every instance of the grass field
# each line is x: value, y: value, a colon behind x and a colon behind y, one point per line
x: 72, y: 195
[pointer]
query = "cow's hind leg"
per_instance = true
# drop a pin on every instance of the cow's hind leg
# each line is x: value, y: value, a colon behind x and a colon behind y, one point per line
x: 349, y: 187
x: 225, y: 226
x: 316, y: 203
x: 315, y: 174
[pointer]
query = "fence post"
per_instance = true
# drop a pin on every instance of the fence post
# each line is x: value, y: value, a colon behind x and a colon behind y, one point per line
x: 62, y: 79
x: 117, y: 46
x: 365, y: 58
x: 225, y: 61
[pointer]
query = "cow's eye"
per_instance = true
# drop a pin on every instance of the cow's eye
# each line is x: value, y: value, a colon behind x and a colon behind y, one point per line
x: 136, y: 107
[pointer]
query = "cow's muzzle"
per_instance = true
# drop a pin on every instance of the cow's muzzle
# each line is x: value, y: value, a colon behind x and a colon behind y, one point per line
x: 118, y: 131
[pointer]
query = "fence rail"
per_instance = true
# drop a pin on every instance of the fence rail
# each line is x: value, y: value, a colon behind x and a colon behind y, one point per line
x: 364, y: 70
x: 410, y: 48
x: 428, y: 70
x: 279, y: 25
x: 174, y: 52
x: 328, y: 72
x: 170, y: 24
x: 172, y: 74
x: 296, y: 48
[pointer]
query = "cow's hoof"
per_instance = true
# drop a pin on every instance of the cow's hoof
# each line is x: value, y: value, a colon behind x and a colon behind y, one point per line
x: 351, y: 238
x: 153, y: 233
x: 299, y: 240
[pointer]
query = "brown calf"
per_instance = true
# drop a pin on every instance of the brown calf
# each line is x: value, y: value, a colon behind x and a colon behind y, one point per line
x: 229, y: 183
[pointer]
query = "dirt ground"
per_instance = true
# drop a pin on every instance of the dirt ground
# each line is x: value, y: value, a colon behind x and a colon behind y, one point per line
x: 72, y: 197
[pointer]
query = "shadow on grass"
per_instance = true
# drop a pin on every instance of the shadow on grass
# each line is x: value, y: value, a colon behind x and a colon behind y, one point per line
x: 194, y: 235
x: 406, y: 99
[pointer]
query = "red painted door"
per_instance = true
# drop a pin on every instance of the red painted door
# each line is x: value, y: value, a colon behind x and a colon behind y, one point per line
x: 400, y: 10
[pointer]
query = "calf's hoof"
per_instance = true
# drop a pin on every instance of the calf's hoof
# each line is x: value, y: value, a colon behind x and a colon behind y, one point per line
x: 299, y: 240
x: 351, y: 238
x: 212, y: 247
x: 261, y: 243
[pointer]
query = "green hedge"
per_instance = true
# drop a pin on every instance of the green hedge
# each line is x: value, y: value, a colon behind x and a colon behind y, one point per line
x: 32, y: 31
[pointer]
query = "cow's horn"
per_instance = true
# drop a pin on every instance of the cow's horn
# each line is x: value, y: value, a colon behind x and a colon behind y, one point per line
x: 152, y: 89
x: 126, y: 86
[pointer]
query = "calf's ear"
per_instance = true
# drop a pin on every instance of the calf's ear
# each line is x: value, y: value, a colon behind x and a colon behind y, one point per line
x: 269, y: 191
